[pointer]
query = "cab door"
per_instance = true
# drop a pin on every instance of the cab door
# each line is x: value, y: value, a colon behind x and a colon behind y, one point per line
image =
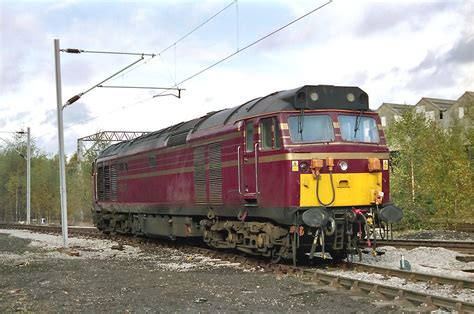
x: 249, y: 162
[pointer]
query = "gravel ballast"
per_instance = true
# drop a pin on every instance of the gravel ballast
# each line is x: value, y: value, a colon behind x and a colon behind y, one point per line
x: 37, y: 275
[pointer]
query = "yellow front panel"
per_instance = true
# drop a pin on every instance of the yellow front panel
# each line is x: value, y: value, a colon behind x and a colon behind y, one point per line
x: 352, y: 189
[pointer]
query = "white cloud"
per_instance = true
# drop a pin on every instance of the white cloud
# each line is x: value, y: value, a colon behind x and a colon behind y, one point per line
x: 395, y: 51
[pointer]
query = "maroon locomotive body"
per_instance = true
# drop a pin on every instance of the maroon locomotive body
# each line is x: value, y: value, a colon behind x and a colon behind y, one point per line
x: 284, y: 175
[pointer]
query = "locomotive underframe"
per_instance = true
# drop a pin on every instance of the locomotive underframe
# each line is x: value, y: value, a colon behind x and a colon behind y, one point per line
x: 250, y: 233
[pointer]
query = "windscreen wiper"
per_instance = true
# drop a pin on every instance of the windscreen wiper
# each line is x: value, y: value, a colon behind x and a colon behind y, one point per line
x: 357, y: 124
x: 300, y: 123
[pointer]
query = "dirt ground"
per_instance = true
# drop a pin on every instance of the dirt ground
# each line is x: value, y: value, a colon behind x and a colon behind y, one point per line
x: 38, y: 278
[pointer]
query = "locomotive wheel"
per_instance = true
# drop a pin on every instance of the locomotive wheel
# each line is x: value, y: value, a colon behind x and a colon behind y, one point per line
x: 275, y: 257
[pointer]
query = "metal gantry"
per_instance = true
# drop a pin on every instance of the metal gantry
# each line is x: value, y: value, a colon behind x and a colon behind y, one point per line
x: 105, y: 136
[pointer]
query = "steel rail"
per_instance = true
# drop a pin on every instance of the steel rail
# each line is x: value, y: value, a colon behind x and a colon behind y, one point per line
x: 458, y: 283
x: 394, y: 293
x: 51, y: 228
x: 460, y: 246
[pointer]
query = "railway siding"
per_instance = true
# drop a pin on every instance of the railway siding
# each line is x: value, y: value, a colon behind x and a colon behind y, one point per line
x: 459, y: 246
x: 334, y: 279
x: 457, y: 283
x: 387, y: 291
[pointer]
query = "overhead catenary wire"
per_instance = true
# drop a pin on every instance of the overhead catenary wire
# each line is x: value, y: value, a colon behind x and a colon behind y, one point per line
x: 114, y: 77
x: 248, y: 46
x: 208, y: 67
x: 76, y: 97
x: 237, y: 22
x: 132, y: 69
x: 198, y: 27
x: 175, y: 42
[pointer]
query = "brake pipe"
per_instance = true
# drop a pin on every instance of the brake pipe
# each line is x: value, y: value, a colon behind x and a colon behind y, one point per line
x: 360, y: 212
x: 314, y: 245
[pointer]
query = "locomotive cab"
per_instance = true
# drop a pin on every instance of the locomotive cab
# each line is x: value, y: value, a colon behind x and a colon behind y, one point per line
x: 346, y: 186
x: 327, y: 161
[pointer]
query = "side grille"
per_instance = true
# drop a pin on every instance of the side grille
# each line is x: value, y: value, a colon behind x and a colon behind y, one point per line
x: 113, y: 182
x: 215, y: 174
x: 107, y: 183
x: 100, y: 183
x: 199, y: 175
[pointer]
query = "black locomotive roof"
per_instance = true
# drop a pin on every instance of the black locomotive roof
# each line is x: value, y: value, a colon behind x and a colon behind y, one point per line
x: 307, y: 97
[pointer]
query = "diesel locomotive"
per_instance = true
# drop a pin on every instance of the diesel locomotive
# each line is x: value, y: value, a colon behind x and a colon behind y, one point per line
x: 282, y: 176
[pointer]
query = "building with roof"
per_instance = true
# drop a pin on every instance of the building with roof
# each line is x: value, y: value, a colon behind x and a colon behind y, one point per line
x: 460, y: 111
x: 389, y: 112
x: 442, y: 111
x: 434, y: 109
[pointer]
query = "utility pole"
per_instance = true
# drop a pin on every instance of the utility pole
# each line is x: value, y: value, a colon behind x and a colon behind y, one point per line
x: 62, y: 166
x: 28, y: 177
x: 60, y: 107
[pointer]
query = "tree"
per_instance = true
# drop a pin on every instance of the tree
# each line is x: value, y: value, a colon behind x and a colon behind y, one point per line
x: 45, y: 197
x: 431, y: 173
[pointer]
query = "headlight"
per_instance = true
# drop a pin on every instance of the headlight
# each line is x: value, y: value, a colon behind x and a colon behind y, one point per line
x: 343, y: 165
x: 304, y: 167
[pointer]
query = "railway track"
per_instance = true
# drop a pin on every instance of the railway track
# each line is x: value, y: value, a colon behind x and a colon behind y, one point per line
x: 310, y: 274
x: 457, y: 283
x: 465, y: 227
x: 466, y: 247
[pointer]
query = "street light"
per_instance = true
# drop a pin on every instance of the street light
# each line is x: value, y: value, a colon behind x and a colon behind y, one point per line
x: 28, y: 171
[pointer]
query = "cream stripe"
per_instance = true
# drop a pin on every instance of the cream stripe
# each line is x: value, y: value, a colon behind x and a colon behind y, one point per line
x: 157, y: 173
x: 300, y: 156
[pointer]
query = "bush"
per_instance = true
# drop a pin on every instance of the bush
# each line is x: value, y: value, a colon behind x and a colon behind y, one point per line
x: 431, y: 171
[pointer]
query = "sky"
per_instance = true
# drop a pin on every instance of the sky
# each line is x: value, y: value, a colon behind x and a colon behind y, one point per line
x: 396, y: 51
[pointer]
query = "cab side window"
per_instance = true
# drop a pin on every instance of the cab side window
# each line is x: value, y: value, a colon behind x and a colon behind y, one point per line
x: 267, y: 134
x: 249, y: 136
x: 271, y: 138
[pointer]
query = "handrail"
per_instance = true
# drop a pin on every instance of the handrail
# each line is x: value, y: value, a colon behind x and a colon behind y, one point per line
x: 256, y: 169
x: 238, y: 171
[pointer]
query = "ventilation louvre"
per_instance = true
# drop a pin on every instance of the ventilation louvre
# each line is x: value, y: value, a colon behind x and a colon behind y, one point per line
x: 113, y: 183
x: 215, y: 174
x: 107, y: 182
x: 199, y: 176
